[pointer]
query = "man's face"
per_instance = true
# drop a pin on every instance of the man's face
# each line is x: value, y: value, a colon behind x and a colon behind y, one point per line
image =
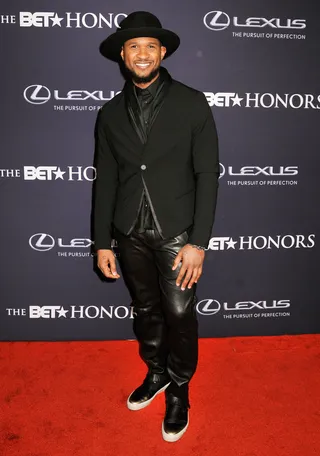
x: 142, y: 58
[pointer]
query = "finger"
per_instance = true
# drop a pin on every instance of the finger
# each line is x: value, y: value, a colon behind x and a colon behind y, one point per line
x: 199, y: 274
x: 113, y: 267
x: 177, y: 261
x: 194, y: 277
x: 187, y: 278
x: 181, y: 274
x: 106, y: 271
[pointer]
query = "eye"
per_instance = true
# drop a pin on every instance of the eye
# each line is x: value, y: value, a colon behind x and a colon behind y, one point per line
x: 151, y: 45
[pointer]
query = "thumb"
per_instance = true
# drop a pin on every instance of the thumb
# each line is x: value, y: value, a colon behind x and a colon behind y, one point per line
x: 177, y: 261
x: 113, y: 266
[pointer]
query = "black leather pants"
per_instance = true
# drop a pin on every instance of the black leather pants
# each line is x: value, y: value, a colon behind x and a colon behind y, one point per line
x: 165, y: 321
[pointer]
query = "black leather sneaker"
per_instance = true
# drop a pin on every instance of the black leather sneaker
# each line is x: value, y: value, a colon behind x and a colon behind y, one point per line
x: 176, y: 418
x: 142, y: 396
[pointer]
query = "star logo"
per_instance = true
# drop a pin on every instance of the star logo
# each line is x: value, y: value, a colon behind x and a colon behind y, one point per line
x: 59, y: 174
x: 236, y: 100
x: 62, y: 312
x: 231, y: 244
x: 56, y: 20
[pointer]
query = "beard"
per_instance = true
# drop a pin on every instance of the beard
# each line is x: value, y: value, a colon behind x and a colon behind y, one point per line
x: 141, y: 79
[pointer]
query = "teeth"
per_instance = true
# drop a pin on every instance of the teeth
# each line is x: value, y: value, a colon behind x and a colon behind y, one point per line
x: 143, y: 65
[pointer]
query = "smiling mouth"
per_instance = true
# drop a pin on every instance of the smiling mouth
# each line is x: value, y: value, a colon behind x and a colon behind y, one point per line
x: 143, y: 65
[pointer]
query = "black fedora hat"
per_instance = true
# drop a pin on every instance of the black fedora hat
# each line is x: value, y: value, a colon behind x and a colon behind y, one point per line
x: 138, y: 24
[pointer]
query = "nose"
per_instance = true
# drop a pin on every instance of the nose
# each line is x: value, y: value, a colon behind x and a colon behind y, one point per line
x: 142, y: 53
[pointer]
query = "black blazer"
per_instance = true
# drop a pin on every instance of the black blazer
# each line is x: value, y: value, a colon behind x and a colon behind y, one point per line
x: 178, y: 166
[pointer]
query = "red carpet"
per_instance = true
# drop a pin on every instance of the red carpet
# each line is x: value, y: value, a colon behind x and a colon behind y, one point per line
x: 253, y: 396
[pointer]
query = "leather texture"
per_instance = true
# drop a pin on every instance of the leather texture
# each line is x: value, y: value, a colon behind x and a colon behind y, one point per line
x: 165, y: 322
x: 176, y: 416
x: 150, y: 386
x: 134, y: 108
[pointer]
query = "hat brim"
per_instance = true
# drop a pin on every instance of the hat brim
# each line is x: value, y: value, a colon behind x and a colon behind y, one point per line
x: 111, y: 46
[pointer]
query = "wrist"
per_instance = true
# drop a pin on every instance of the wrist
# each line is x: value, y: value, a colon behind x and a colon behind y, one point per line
x: 199, y: 247
x: 102, y: 252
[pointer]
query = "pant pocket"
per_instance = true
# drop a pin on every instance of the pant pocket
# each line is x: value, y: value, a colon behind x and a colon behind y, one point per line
x: 182, y: 238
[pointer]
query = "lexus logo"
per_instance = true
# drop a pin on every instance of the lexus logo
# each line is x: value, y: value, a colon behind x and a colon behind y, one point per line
x: 222, y: 170
x: 37, y: 94
x: 208, y: 307
x: 41, y: 242
x: 216, y: 20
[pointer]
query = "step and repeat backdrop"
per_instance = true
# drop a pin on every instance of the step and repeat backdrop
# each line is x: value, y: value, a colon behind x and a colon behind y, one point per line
x: 258, y: 65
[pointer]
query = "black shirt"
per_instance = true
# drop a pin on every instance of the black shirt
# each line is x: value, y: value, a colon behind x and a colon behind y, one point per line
x: 145, y: 97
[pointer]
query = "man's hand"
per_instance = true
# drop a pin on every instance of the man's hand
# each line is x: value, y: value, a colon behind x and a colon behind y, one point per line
x: 192, y: 261
x: 107, y: 264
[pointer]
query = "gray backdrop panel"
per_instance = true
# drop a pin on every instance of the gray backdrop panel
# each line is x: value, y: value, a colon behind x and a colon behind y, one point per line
x: 259, y: 68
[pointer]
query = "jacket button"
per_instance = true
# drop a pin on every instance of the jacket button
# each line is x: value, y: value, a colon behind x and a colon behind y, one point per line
x: 143, y: 167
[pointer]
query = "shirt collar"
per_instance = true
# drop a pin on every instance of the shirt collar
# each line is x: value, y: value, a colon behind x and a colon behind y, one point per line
x: 151, y: 89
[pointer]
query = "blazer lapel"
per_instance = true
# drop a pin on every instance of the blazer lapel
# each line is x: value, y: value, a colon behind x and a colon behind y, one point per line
x: 163, y: 128
x: 164, y: 106
x: 160, y: 96
x: 133, y: 107
x: 134, y: 111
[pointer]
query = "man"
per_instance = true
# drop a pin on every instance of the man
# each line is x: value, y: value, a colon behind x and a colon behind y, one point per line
x: 156, y: 189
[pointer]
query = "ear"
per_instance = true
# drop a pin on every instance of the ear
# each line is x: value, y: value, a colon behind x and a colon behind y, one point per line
x: 163, y: 52
x: 121, y: 53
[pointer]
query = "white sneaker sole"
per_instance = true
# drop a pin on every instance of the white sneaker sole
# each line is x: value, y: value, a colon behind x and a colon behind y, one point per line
x: 134, y: 406
x: 174, y: 437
